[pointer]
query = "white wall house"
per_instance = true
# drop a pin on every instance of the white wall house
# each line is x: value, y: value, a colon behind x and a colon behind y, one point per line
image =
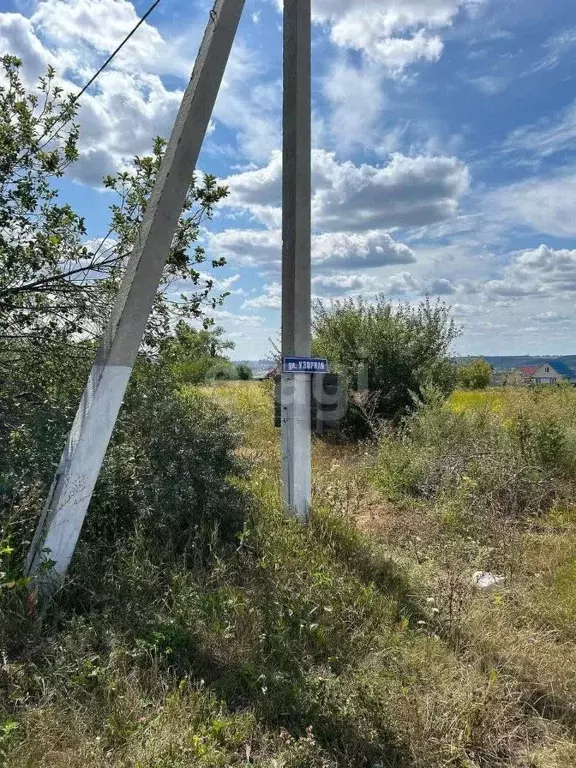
x: 547, y: 373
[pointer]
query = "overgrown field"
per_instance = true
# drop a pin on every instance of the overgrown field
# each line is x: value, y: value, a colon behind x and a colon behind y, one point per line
x: 240, y: 638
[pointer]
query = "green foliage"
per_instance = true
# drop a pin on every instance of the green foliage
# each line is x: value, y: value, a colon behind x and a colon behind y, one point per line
x: 192, y: 343
x: 475, y: 375
x: 38, y: 236
x: 388, y: 355
x: 244, y: 372
x: 133, y: 188
x: 280, y: 646
x: 478, y: 468
x: 165, y: 474
x: 53, y: 284
x: 195, y: 356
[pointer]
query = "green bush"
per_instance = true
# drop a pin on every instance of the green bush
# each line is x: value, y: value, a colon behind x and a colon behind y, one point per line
x: 244, y: 372
x: 475, y: 375
x: 478, y: 468
x: 388, y: 355
x: 166, y: 471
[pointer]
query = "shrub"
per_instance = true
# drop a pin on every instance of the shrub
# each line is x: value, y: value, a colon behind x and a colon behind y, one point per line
x: 388, y: 355
x: 166, y: 470
x: 244, y: 372
x: 478, y: 468
x: 475, y: 375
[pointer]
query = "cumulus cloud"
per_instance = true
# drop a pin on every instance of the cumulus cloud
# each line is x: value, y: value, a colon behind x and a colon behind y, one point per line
x: 331, y: 251
x: 353, y: 250
x: 441, y: 286
x: 343, y: 285
x: 131, y: 102
x: 250, y: 247
x: 554, y: 269
x: 17, y: 37
x: 405, y: 192
x: 270, y: 299
x: 396, y: 33
x: 82, y: 31
x: 542, y: 273
x: 401, y: 284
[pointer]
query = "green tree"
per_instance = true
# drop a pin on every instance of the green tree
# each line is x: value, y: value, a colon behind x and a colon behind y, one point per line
x: 193, y: 343
x: 388, y: 355
x: 475, y: 375
x: 54, y: 285
x: 244, y: 372
x: 197, y: 354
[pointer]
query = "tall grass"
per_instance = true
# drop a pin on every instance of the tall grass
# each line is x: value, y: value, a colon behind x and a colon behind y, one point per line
x: 291, y: 647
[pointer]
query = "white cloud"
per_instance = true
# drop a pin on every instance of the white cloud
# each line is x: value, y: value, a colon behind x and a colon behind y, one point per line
x: 356, y: 98
x: 400, y: 284
x: 544, y: 204
x: 130, y: 104
x: 509, y: 289
x: 550, y: 317
x: 270, y: 299
x: 489, y: 85
x: 234, y: 321
x: 18, y: 38
x: 85, y: 31
x: 405, y: 192
x: 249, y: 247
x: 556, y: 47
x: 343, y: 285
x: 330, y: 251
x: 250, y: 105
x: 441, y: 286
x: 541, y: 273
x: 226, y: 284
x: 352, y: 250
x: 399, y: 52
x: 393, y: 32
x: 547, y: 136
x: 555, y: 269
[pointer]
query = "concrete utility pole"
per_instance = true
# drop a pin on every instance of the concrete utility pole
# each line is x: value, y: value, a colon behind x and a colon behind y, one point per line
x: 296, y: 246
x: 59, y: 527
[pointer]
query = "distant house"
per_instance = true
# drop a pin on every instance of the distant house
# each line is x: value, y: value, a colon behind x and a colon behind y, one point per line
x: 547, y: 373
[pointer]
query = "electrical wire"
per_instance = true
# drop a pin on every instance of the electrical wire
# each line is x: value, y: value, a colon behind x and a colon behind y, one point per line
x: 118, y: 49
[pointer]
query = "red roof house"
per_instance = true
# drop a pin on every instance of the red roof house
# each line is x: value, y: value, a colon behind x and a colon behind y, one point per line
x: 528, y: 370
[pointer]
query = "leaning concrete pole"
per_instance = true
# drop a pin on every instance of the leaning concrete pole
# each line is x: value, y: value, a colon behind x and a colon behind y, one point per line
x: 59, y: 527
x: 296, y: 237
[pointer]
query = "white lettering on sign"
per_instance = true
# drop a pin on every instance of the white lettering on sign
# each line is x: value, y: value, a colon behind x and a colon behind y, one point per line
x: 305, y: 365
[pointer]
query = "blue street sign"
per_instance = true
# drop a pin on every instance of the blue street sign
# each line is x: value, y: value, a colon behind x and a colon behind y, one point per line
x: 304, y: 365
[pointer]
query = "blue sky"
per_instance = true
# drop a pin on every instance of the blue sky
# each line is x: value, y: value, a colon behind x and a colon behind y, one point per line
x: 444, y: 157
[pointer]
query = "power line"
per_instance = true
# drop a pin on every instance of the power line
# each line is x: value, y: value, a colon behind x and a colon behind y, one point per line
x: 113, y: 54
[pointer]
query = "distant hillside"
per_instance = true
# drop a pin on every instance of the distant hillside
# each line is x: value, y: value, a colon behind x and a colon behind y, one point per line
x: 504, y: 363
x: 259, y: 367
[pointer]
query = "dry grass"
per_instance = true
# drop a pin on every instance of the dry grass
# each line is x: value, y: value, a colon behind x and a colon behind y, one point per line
x: 357, y: 642
x: 514, y: 645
